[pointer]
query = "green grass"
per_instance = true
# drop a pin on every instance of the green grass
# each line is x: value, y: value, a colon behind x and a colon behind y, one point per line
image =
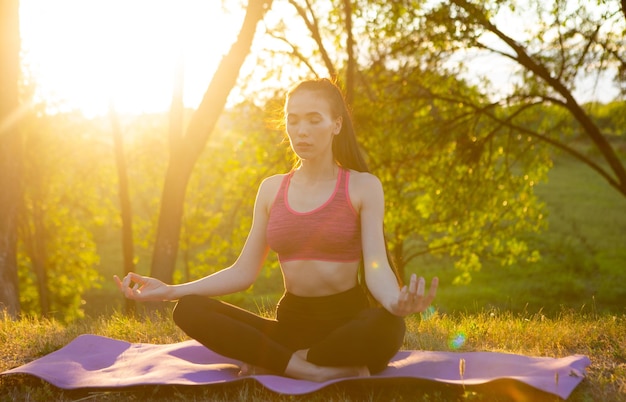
x: 601, y: 337
x: 572, y: 301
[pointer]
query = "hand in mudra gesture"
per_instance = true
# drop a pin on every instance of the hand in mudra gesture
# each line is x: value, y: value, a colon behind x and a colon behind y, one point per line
x: 142, y: 288
x: 411, y: 298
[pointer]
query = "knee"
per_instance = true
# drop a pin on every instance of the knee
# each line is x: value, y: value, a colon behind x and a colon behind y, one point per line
x: 389, y: 333
x: 390, y: 327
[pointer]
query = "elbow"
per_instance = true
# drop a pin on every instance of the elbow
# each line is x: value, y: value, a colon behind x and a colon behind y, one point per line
x: 245, y: 281
x: 243, y: 273
x: 245, y: 285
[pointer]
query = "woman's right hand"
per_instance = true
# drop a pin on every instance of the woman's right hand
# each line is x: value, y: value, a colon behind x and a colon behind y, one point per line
x: 143, y: 288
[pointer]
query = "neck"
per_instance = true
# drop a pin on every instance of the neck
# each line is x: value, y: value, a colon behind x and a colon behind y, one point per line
x: 311, y: 171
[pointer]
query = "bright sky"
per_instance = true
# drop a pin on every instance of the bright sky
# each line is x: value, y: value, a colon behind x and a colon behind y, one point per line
x: 86, y: 52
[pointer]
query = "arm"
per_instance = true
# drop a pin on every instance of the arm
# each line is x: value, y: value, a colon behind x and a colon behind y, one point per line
x: 239, y: 276
x: 380, y: 278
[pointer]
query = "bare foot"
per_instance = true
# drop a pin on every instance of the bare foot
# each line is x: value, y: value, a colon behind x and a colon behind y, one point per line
x: 363, y: 371
x: 299, y: 368
x: 248, y: 369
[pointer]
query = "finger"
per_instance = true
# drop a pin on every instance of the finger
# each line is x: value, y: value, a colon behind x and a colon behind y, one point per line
x: 421, y: 284
x: 404, y: 294
x: 407, y: 296
x: 132, y: 278
x: 413, y: 284
x: 426, y: 301
x: 125, y: 282
x: 118, y: 282
x: 136, y: 278
x: 128, y: 292
x: 434, y: 284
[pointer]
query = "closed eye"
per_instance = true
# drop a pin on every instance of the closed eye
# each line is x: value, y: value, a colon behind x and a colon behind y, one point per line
x: 312, y: 118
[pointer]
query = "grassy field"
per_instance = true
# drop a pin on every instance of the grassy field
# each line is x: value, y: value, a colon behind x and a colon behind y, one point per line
x: 570, y: 302
x: 601, y: 337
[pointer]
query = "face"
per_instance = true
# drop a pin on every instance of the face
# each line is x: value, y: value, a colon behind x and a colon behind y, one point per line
x: 311, y: 126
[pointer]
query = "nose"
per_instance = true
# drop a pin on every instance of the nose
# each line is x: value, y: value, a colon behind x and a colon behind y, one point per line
x: 302, y: 130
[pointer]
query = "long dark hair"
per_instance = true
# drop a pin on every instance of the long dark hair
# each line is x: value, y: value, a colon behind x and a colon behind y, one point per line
x: 345, y: 147
x: 346, y: 150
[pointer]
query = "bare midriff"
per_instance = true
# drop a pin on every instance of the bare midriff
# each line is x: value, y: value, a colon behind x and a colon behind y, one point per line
x: 314, y: 278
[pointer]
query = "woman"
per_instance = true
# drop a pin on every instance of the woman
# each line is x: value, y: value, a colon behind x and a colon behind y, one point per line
x: 324, y: 219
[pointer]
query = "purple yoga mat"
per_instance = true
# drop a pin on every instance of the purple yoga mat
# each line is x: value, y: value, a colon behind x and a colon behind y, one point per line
x: 91, y: 361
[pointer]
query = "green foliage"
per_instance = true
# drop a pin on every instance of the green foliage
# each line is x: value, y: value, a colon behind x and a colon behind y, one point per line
x: 65, y: 198
x: 145, y: 143
x: 222, y: 190
x: 582, y: 255
x: 610, y: 117
x: 70, y: 267
x: 456, y: 181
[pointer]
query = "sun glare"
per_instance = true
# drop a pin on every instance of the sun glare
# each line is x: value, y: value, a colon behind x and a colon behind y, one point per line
x: 82, y: 54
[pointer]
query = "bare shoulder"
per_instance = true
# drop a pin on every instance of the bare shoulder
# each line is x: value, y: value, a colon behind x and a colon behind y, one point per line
x: 364, y: 189
x: 273, y: 181
x: 268, y: 190
x: 364, y: 181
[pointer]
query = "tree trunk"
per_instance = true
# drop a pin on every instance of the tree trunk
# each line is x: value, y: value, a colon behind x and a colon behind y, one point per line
x: 184, y: 152
x: 351, y: 64
x: 36, y: 240
x: 10, y: 154
x: 126, y: 209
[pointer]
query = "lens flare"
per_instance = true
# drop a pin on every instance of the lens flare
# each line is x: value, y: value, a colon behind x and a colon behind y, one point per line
x: 457, y: 340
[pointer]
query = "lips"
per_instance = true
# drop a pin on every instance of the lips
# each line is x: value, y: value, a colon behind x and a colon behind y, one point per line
x: 303, y: 145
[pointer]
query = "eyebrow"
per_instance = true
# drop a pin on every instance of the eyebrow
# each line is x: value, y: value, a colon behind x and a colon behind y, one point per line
x: 309, y: 114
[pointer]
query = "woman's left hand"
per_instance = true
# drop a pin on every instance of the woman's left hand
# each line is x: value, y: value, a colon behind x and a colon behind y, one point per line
x: 411, y: 298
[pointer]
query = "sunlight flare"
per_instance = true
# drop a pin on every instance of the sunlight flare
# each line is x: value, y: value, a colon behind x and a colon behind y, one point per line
x: 82, y: 54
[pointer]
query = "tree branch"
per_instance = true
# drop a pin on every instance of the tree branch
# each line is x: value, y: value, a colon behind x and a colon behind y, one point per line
x: 313, y: 27
x: 525, y: 60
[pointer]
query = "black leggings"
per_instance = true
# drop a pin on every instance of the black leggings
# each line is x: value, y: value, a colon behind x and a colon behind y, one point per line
x: 338, y: 330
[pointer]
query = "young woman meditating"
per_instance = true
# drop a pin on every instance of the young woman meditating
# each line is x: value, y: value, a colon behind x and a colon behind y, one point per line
x: 324, y: 219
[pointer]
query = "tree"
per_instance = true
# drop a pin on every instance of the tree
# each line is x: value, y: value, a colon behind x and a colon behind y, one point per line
x: 10, y: 154
x: 242, y: 151
x: 126, y: 211
x: 571, y: 39
x: 455, y: 182
x: 185, y: 150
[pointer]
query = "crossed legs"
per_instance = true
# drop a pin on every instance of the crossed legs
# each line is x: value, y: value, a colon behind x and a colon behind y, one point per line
x: 362, y: 345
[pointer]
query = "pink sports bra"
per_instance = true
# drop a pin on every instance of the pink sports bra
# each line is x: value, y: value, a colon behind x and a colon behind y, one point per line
x: 331, y: 232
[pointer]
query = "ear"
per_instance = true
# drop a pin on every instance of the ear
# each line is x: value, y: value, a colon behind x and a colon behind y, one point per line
x: 338, y: 124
